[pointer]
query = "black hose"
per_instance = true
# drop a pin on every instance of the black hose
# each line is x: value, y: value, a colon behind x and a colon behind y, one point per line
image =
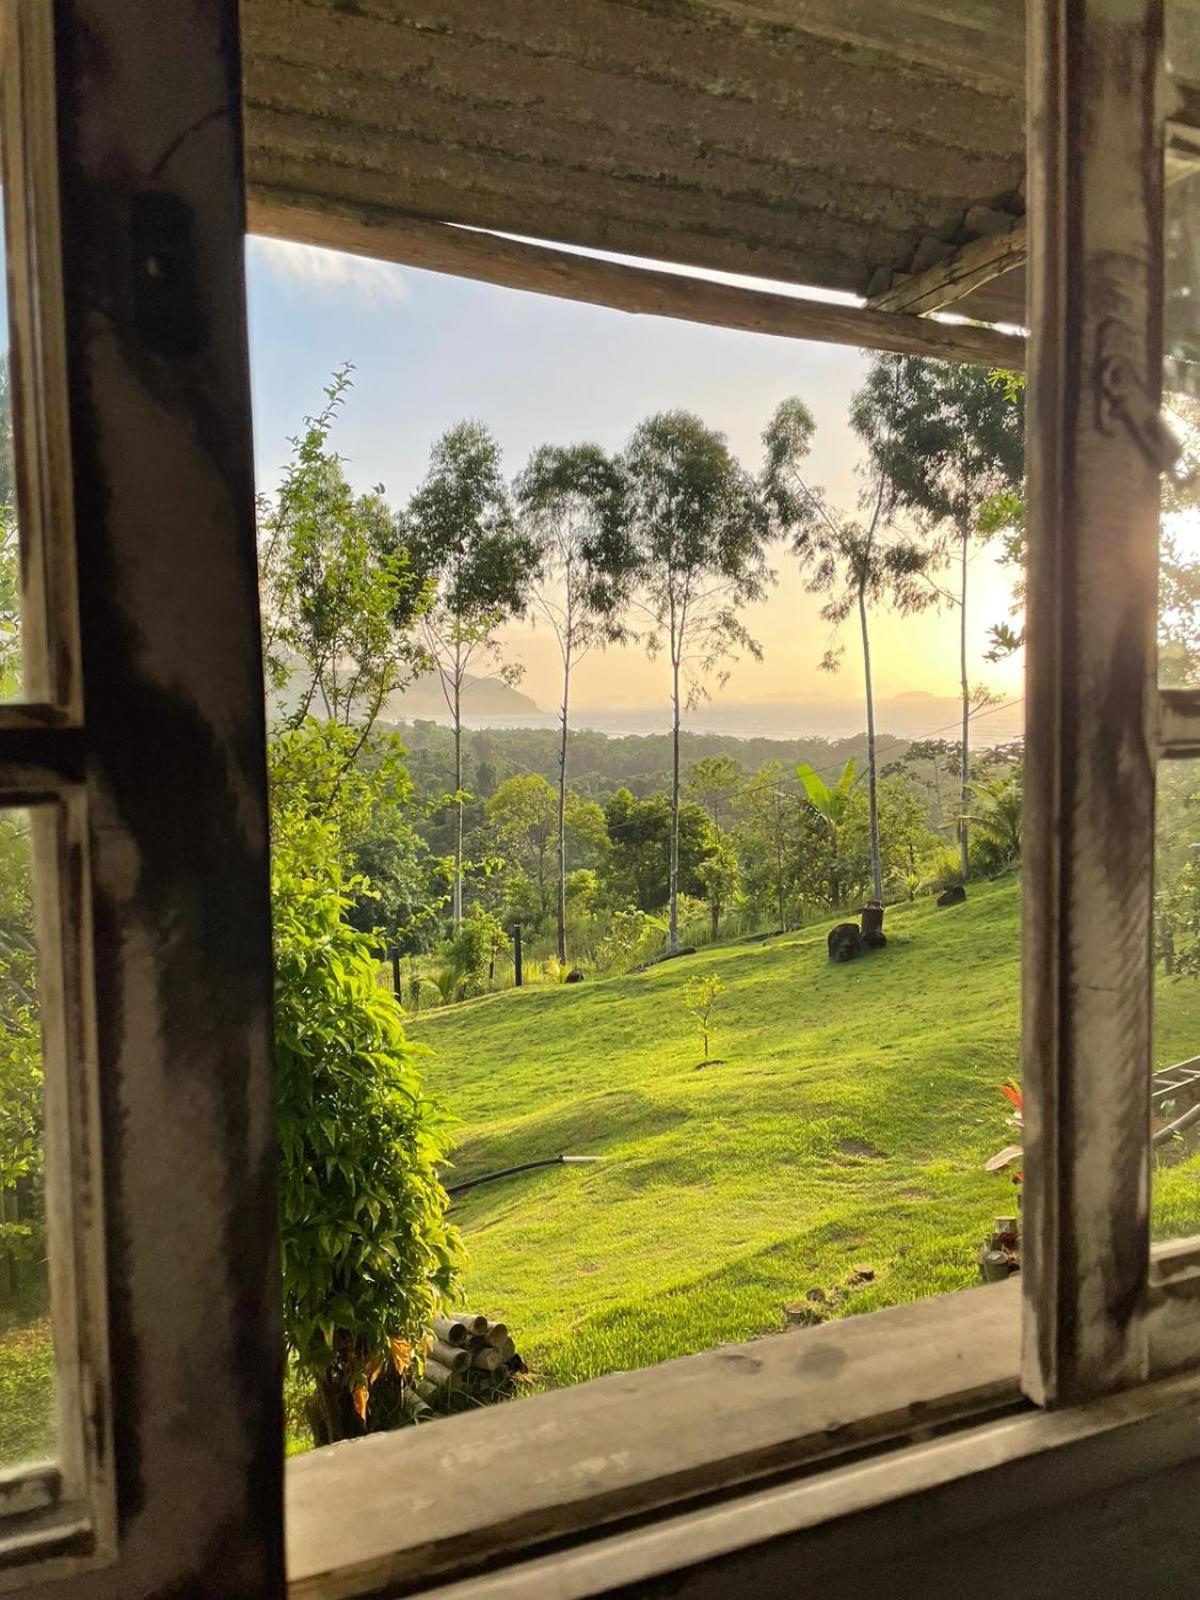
x: 507, y: 1172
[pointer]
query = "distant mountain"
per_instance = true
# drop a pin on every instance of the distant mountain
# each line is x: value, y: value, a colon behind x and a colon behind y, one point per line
x: 481, y: 697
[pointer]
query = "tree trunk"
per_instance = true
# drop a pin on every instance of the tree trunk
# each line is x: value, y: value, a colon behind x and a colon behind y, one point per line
x: 965, y: 793
x: 779, y: 885
x: 937, y: 789
x: 715, y: 913
x: 673, y: 940
x: 1166, y: 939
x: 872, y: 776
x: 331, y: 1414
x: 562, y: 813
x: 458, y: 807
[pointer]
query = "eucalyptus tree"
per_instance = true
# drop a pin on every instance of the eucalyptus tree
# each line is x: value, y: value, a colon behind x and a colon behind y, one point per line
x: 700, y: 532
x: 858, y: 562
x: 572, y: 504
x: 949, y: 438
x: 464, y: 539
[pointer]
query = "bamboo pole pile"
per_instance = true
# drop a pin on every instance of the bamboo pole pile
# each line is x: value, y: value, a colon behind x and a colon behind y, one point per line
x: 471, y: 1357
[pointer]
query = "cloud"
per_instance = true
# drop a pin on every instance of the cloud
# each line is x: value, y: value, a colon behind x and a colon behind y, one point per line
x: 372, y: 283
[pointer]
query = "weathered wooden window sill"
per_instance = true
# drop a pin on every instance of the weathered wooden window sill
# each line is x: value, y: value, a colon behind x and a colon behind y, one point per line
x: 398, y: 1511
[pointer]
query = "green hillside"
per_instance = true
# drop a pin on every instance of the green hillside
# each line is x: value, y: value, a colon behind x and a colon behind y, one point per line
x: 845, y: 1123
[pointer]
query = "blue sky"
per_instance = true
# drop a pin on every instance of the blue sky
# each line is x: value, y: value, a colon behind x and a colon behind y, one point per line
x: 430, y: 349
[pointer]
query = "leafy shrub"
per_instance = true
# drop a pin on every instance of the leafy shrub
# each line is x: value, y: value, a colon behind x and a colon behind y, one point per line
x: 422, y: 994
x: 368, y: 1255
x: 945, y: 868
x: 633, y: 936
x: 450, y: 985
x: 474, y: 948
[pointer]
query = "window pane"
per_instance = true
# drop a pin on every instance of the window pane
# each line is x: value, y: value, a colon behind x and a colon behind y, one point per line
x: 1179, y: 547
x: 1179, y: 572
x: 1175, y: 1090
x: 11, y: 674
x: 27, y: 1408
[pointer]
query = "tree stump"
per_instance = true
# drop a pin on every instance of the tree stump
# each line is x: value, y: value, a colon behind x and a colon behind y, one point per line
x: 845, y: 942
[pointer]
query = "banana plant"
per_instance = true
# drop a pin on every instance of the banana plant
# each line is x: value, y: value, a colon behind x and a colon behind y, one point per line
x: 832, y: 805
x: 996, y: 813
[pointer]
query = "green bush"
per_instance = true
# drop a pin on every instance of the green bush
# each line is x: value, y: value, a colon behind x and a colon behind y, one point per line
x: 633, y: 936
x: 474, y: 948
x: 368, y: 1255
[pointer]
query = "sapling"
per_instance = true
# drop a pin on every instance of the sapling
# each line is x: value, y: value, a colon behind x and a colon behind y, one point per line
x: 699, y: 998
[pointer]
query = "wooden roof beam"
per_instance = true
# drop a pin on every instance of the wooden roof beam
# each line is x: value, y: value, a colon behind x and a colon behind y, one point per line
x: 387, y: 235
x: 967, y: 269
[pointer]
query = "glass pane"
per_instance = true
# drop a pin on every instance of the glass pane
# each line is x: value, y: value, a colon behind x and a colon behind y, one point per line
x: 11, y: 667
x: 27, y: 1390
x: 1179, y: 570
x: 1175, y: 1089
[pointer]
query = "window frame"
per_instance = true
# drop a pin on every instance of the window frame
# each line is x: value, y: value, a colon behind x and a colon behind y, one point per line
x: 149, y: 746
x: 65, y: 1508
x: 1102, y: 1310
x: 172, y: 419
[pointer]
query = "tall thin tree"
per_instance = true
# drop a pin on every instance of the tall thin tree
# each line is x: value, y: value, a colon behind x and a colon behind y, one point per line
x: 572, y: 503
x: 859, y: 562
x: 463, y: 538
x: 954, y: 441
x: 339, y: 599
x: 700, y: 530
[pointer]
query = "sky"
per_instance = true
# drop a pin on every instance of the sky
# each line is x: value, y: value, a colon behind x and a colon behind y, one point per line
x: 429, y: 349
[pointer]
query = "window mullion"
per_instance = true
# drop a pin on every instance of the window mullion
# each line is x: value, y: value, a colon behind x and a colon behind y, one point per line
x: 1095, y: 159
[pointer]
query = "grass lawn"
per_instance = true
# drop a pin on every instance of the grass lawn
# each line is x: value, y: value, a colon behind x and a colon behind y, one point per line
x: 846, y: 1122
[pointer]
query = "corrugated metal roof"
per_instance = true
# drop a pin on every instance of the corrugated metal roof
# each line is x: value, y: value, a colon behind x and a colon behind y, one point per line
x: 825, y: 142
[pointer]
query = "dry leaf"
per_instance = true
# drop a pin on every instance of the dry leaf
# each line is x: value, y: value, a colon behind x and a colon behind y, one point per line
x: 361, y: 1392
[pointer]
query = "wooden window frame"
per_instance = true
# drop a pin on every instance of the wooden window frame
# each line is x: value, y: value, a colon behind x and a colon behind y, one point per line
x: 172, y: 913
x: 1102, y: 1311
x: 149, y: 744
x: 64, y: 1510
